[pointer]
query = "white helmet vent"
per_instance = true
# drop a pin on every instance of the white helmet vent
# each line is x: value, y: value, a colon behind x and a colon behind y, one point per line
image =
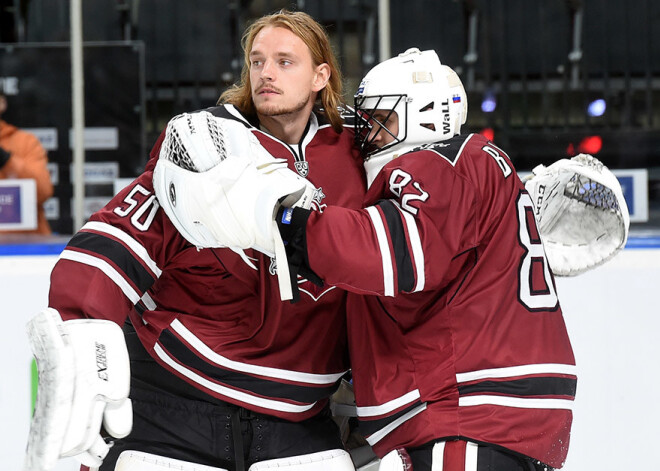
x: 422, y: 76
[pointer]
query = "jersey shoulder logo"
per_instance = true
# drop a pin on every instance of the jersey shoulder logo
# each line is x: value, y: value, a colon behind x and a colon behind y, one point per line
x: 317, y: 200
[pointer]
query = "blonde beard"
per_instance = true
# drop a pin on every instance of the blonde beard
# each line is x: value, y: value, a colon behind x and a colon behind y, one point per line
x: 272, y: 110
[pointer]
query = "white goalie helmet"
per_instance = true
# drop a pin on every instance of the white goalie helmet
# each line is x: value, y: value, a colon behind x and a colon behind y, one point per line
x: 427, y: 96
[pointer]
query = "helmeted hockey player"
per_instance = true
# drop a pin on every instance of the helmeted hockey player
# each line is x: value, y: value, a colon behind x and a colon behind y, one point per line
x: 461, y: 359
x: 223, y: 375
x: 460, y: 355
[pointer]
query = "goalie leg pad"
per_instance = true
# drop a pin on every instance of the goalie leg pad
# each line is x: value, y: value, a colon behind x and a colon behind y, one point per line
x: 329, y: 460
x: 55, y: 391
x: 130, y: 460
x: 84, y: 381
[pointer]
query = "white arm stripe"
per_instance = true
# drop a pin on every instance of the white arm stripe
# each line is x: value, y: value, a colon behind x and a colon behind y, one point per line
x: 106, y: 268
x: 416, y: 244
x: 225, y: 391
x: 389, y: 406
x: 133, y: 244
x: 386, y: 256
x: 522, y: 370
x: 519, y: 402
x: 210, y: 355
x: 380, y: 434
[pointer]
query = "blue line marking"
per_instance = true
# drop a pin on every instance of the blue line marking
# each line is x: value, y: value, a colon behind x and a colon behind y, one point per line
x: 46, y: 248
x: 640, y: 242
x: 56, y: 247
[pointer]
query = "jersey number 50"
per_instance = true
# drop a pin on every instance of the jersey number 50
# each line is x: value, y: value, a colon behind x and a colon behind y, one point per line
x: 148, y: 206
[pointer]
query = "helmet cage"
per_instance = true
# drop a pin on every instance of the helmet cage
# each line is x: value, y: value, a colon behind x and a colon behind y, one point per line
x: 365, y: 121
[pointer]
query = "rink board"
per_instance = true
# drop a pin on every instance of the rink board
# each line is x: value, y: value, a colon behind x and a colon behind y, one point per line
x: 611, y: 313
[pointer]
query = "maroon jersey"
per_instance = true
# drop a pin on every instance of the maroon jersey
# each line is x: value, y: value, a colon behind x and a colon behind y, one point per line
x: 475, y: 345
x: 206, y: 315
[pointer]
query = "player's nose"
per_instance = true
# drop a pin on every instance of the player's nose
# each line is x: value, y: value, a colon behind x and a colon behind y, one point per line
x: 268, y: 70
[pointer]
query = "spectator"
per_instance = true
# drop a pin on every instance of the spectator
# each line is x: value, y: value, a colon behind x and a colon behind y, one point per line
x: 22, y: 156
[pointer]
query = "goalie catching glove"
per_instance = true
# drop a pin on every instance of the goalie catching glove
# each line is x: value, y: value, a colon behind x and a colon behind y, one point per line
x: 84, y: 380
x: 581, y: 213
x: 221, y: 188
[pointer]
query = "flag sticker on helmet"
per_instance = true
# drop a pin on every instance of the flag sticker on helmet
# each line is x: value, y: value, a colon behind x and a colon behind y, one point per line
x: 456, y: 98
x: 361, y: 88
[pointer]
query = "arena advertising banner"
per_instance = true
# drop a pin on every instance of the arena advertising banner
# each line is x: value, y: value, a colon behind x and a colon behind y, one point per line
x: 36, y: 77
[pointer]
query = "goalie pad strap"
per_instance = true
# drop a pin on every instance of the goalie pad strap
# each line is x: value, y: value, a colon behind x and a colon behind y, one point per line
x: 329, y: 460
x: 131, y: 460
x: 291, y: 222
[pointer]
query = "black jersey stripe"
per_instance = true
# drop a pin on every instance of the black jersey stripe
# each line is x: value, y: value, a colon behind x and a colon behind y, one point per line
x: 118, y: 254
x: 264, y: 387
x: 538, y: 386
x: 451, y: 148
x: 140, y: 308
x: 369, y: 427
x: 222, y: 112
x: 404, y: 265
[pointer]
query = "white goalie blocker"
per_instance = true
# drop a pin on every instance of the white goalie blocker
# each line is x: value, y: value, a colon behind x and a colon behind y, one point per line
x: 84, y: 381
x: 221, y: 188
x: 581, y: 213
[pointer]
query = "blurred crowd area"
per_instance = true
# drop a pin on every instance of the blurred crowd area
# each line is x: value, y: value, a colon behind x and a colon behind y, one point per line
x: 545, y: 79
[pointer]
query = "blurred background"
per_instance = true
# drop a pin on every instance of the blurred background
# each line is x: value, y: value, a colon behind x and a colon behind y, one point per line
x: 546, y: 79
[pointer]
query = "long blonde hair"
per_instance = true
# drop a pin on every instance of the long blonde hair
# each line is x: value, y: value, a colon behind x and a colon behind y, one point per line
x: 316, y: 39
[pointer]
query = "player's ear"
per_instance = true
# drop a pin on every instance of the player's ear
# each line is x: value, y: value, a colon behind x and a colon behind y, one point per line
x: 321, y: 77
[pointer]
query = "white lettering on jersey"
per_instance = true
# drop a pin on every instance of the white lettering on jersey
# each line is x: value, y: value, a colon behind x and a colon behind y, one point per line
x: 399, y: 180
x: 150, y: 204
x: 540, y: 297
x: 501, y: 161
